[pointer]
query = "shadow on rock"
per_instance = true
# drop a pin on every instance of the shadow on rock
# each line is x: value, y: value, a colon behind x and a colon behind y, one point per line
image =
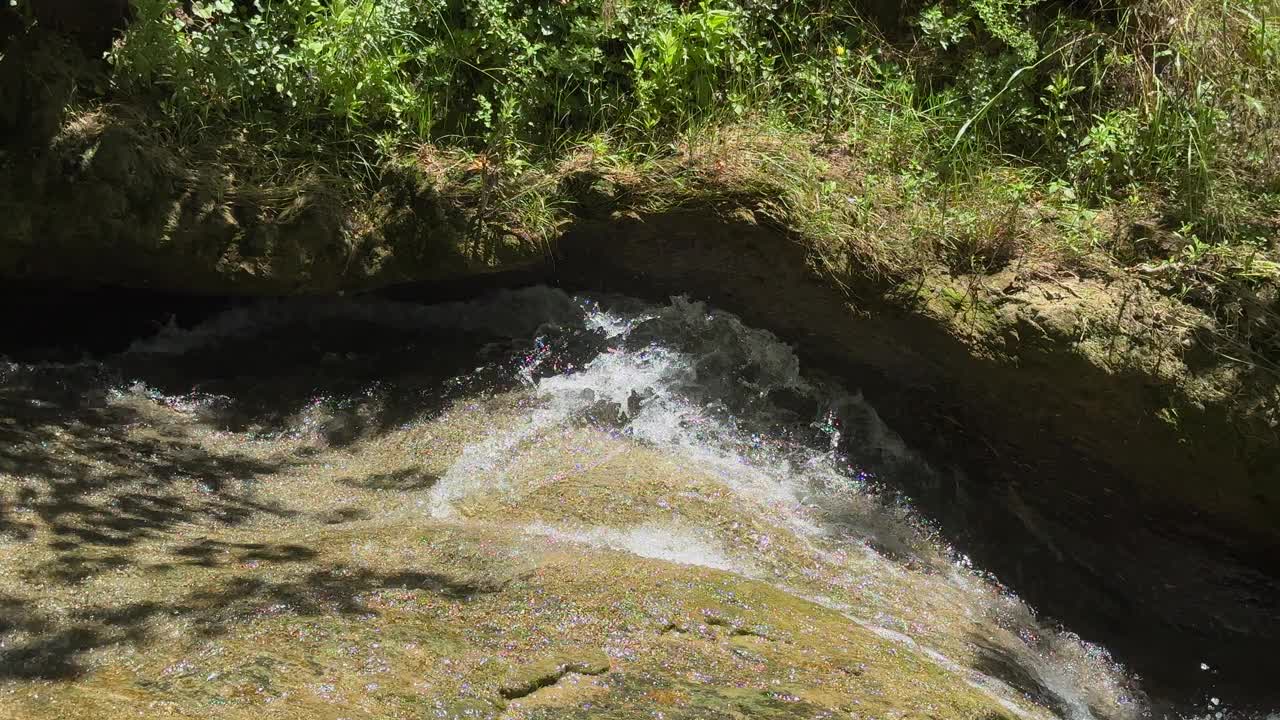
x: 53, y: 649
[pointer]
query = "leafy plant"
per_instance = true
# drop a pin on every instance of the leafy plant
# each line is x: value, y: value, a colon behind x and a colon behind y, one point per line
x: 961, y: 114
x: 689, y: 65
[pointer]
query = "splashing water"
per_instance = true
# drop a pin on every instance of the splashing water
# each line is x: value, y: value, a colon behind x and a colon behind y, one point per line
x: 672, y: 432
x: 699, y: 386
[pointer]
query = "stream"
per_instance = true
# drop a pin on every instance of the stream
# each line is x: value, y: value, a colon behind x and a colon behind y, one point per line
x: 167, y: 500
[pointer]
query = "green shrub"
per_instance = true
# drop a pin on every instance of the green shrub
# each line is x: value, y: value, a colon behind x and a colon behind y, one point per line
x: 1176, y: 96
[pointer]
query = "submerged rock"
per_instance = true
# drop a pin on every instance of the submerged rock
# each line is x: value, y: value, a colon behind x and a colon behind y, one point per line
x: 530, y: 678
x: 195, y: 573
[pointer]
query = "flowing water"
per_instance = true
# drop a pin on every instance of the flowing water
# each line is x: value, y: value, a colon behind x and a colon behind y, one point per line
x: 257, y: 512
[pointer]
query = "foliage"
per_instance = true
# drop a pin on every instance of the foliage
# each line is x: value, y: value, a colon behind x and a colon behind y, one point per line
x: 690, y: 63
x: 1160, y: 111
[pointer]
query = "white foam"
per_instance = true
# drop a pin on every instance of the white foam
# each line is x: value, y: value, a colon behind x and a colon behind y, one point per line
x: 686, y: 381
x: 669, y: 542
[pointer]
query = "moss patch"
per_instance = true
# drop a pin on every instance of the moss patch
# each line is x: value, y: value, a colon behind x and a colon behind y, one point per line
x: 133, y: 587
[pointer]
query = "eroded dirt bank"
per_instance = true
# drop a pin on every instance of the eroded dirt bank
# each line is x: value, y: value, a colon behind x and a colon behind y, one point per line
x: 1049, y: 370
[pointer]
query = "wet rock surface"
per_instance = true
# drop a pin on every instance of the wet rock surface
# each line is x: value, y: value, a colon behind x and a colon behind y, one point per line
x: 531, y: 678
x: 185, y: 535
x: 570, y: 513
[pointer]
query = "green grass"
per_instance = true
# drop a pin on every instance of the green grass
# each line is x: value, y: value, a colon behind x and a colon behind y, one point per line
x: 1136, y: 137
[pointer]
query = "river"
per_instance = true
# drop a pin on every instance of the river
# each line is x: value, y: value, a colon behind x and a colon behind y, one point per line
x: 181, y: 514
